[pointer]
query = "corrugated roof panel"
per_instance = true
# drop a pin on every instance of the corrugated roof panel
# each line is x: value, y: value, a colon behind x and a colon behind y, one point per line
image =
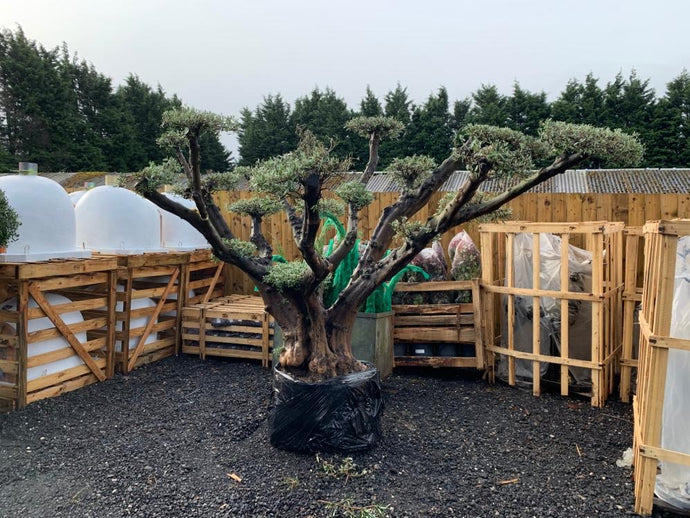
x: 570, y: 182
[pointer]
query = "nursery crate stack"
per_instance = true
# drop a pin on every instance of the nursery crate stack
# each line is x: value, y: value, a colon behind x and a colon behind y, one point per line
x: 500, y: 297
x: 656, y: 348
x: 236, y: 326
x: 632, y: 296
x: 203, y: 277
x: 456, y: 324
x: 155, y: 276
x: 53, y: 301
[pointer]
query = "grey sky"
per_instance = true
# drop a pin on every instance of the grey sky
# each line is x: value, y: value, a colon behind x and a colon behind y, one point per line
x: 224, y: 55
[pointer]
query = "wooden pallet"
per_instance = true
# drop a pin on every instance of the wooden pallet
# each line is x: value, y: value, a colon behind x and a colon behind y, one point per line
x: 604, y: 240
x: 439, y: 323
x: 204, y: 276
x: 156, y: 276
x: 632, y: 296
x: 88, y: 284
x: 236, y: 326
x: 661, y: 241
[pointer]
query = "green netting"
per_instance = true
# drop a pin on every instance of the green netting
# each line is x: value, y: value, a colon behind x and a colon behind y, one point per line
x: 380, y: 300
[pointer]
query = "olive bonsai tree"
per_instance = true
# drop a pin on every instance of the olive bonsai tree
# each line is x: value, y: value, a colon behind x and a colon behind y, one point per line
x: 317, y: 338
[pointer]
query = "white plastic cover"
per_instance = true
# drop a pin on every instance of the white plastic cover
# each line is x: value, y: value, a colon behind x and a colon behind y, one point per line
x: 176, y: 233
x: 51, y: 344
x: 76, y: 196
x: 579, y: 313
x: 46, y: 213
x: 114, y: 220
x: 673, y: 483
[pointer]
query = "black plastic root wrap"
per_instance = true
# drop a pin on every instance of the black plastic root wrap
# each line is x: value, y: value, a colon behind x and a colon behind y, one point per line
x: 341, y: 414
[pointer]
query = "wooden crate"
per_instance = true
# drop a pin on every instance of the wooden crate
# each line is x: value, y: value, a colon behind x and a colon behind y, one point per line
x: 88, y: 284
x: 661, y: 241
x: 236, y: 326
x: 155, y: 276
x: 632, y: 296
x: 439, y: 323
x: 203, y: 276
x: 604, y: 240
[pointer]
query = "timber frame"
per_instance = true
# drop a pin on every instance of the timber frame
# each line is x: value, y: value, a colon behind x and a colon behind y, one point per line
x: 604, y: 240
x: 661, y: 242
x: 90, y: 285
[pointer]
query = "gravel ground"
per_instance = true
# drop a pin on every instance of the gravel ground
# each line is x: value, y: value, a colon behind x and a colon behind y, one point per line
x: 185, y: 437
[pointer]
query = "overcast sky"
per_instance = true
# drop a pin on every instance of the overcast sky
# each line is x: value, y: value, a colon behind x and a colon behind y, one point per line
x: 225, y: 55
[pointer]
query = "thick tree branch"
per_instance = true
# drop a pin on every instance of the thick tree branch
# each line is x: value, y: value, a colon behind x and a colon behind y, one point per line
x: 310, y: 227
x: 406, y: 206
x: 345, y: 246
x: 253, y: 268
x: 184, y: 163
x: 373, y: 162
x: 294, y: 220
x: 257, y: 237
x: 460, y: 212
x: 560, y: 165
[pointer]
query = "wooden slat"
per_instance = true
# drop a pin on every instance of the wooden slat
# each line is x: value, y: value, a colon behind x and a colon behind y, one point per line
x: 62, y: 376
x: 65, y: 352
x: 77, y: 327
x: 57, y: 283
x: 434, y: 320
x: 434, y: 361
x: 433, y: 286
x: 433, y: 334
x: 81, y: 305
x: 432, y: 309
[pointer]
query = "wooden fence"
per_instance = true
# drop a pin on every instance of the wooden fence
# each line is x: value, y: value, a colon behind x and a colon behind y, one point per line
x: 631, y: 209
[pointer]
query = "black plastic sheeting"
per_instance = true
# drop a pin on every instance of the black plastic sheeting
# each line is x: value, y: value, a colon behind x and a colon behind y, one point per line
x: 342, y: 414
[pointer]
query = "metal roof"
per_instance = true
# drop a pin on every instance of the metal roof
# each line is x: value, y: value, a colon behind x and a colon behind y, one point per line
x: 580, y: 181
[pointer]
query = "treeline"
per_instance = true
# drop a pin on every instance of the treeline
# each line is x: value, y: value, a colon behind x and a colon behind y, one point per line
x: 60, y: 112
x: 662, y: 123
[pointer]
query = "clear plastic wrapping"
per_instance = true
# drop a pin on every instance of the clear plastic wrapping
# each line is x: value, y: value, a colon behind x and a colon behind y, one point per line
x: 673, y: 483
x: 579, y: 312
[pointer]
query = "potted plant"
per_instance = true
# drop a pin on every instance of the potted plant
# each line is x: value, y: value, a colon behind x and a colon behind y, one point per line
x: 9, y: 223
x: 336, y: 402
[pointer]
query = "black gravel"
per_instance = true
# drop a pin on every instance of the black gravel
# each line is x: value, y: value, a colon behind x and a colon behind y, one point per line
x: 185, y: 437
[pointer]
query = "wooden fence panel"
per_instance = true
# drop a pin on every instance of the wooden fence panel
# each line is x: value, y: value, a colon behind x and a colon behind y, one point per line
x: 631, y: 209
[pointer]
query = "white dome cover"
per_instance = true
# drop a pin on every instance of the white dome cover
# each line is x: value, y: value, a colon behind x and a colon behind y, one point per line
x: 76, y: 196
x: 176, y: 233
x: 51, y: 344
x: 46, y: 213
x: 113, y: 220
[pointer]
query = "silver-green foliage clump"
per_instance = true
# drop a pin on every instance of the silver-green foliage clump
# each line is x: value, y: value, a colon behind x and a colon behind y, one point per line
x: 613, y: 145
x: 355, y: 194
x: 409, y: 172
x: 509, y: 152
x: 283, y: 276
x: 286, y: 176
x: 256, y: 207
x: 407, y: 229
x: 240, y: 247
x: 157, y: 175
x: 385, y: 127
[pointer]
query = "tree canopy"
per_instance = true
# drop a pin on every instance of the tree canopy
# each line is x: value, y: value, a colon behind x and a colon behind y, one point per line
x: 60, y: 112
x: 317, y: 336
